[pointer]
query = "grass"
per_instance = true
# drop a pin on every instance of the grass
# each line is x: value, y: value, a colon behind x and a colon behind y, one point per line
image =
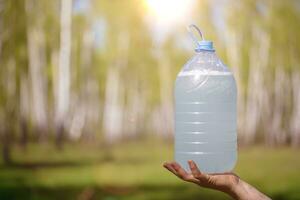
x: 134, y: 171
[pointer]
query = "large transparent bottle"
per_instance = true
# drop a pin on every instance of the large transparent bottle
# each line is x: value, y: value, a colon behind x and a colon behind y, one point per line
x: 205, y: 112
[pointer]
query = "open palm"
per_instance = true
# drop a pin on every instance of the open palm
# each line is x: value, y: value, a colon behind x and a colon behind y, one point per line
x: 220, y: 181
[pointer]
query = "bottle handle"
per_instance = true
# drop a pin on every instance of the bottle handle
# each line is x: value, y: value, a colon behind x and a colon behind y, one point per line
x: 194, y: 38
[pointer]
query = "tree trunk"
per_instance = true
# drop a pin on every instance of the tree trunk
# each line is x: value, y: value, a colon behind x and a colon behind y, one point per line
x: 63, y: 86
x: 114, y: 92
x: 233, y: 47
x: 113, y: 107
x: 166, y: 107
x: 38, y: 87
x: 24, y: 110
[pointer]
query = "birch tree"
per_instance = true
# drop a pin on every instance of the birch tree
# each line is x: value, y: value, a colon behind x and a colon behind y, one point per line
x: 114, y: 99
x: 37, y: 63
x: 62, y: 96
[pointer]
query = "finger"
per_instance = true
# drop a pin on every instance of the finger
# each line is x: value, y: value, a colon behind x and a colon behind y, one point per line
x: 182, y: 173
x: 197, y: 173
x: 194, y: 169
x: 169, y: 167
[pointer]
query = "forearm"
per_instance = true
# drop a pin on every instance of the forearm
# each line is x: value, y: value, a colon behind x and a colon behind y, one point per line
x: 243, y: 191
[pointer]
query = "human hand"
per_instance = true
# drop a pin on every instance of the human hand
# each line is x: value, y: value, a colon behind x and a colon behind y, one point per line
x: 219, y: 181
x: 227, y: 182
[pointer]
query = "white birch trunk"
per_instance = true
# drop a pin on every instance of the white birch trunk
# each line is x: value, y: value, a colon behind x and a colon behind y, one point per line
x: 63, y: 85
x: 276, y: 134
x: 86, y: 107
x: 36, y: 65
x: 163, y: 117
x: 90, y: 93
x: 134, y: 118
x: 232, y: 42
x: 113, y: 109
x: 257, y: 97
x: 36, y: 55
x: 113, y: 116
x: 24, y: 98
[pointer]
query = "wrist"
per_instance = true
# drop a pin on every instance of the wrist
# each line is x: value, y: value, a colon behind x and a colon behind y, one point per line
x: 242, y: 190
x: 235, y: 188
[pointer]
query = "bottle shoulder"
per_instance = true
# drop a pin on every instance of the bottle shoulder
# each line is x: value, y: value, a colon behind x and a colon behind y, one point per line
x: 205, y: 62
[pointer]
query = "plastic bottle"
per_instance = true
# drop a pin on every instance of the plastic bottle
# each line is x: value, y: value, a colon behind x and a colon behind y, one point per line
x: 205, y: 111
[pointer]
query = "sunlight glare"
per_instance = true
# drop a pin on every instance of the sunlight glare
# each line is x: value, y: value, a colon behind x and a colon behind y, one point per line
x: 169, y: 12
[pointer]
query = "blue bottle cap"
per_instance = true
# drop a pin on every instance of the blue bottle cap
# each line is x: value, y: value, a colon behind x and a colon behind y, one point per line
x: 204, y: 45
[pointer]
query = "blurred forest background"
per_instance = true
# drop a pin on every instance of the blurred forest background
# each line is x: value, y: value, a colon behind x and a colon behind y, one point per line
x: 86, y: 85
